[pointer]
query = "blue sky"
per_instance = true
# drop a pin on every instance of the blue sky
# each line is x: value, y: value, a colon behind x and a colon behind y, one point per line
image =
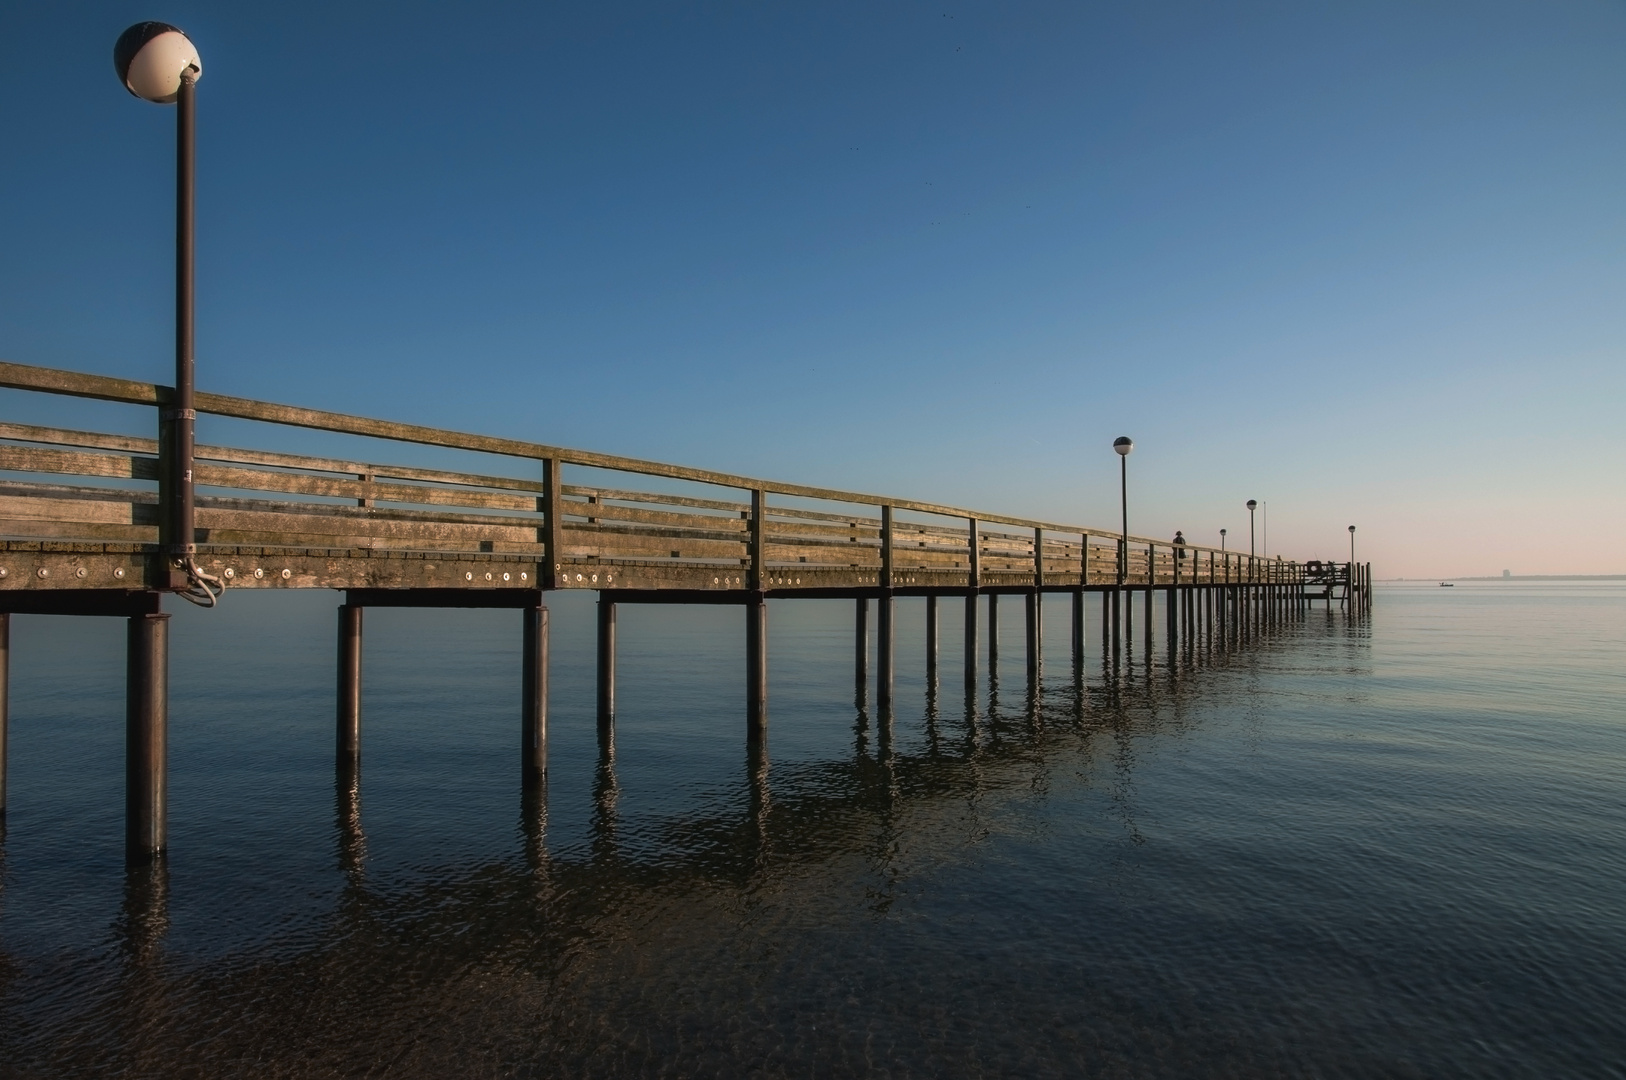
x: 1364, y: 262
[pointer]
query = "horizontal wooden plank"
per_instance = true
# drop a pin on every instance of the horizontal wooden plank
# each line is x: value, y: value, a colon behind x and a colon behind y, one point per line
x: 640, y: 533
x: 575, y: 508
x: 15, y: 508
x: 20, y: 376
x: 68, y: 437
x: 225, y: 476
x: 656, y: 500
x: 76, y: 463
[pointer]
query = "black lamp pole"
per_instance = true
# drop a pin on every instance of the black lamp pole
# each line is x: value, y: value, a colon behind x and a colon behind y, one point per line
x: 1123, y: 445
x: 1252, y: 504
x: 158, y: 63
x: 181, y: 416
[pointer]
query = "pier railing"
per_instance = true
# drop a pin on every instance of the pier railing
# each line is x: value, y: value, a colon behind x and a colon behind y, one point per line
x: 83, y: 513
x: 85, y: 507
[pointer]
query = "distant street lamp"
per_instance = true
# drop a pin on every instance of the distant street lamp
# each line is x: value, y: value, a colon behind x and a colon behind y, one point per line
x: 1352, y: 545
x: 1222, y: 541
x: 157, y: 62
x: 1123, y: 444
x: 1253, y: 504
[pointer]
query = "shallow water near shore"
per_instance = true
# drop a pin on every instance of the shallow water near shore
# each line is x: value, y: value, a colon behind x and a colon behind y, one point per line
x: 1393, y: 845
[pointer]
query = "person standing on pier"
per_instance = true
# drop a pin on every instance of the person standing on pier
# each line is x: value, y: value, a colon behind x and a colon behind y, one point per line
x: 1180, y: 544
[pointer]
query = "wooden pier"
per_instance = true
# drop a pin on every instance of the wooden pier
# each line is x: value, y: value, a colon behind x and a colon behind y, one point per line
x: 83, y: 517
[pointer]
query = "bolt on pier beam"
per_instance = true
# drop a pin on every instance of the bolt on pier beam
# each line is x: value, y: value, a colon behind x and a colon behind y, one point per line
x: 146, y: 738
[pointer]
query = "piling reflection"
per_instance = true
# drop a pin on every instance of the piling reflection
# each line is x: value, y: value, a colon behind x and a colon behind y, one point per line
x: 144, y: 914
x: 531, y: 944
x: 350, y: 841
x: 606, y: 797
x: 533, y: 823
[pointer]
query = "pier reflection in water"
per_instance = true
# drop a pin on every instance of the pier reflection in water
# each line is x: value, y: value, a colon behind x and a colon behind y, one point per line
x: 1227, y: 866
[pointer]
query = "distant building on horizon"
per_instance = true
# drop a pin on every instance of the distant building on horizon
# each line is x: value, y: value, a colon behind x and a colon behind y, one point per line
x: 1507, y: 573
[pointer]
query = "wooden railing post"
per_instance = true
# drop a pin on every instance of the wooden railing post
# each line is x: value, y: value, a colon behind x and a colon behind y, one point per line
x: 551, y: 534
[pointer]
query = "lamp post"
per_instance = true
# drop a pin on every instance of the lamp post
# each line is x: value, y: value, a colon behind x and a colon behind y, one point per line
x: 1222, y: 541
x: 1123, y: 444
x: 158, y: 63
x: 1253, y: 504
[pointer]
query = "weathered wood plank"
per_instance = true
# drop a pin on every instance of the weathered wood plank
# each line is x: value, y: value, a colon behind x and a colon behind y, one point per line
x: 75, y: 384
x: 76, y: 463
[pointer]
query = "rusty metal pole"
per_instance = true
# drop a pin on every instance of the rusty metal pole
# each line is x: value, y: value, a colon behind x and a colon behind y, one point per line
x: 347, y: 743
x: 146, y: 739
x: 533, y: 738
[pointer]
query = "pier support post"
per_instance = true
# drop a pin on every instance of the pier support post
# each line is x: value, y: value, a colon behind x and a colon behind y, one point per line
x: 970, y: 644
x: 1106, y: 626
x: 756, y: 668
x: 5, y: 701
x: 1035, y: 615
x: 993, y: 635
x: 347, y: 741
x: 146, y: 739
x: 884, y: 640
x: 606, y: 664
x: 861, y: 652
x: 533, y: 737
x: 1117, y: 620
x: 931, y: 643
x: 1078, y: 627
x: 1151, y: 590
x: 1035, y: 630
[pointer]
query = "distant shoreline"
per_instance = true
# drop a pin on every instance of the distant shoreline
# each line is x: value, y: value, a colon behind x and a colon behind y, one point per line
x: 1518, y: 577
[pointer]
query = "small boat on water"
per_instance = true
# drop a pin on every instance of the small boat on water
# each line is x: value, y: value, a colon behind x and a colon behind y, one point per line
x: 1448, y: 584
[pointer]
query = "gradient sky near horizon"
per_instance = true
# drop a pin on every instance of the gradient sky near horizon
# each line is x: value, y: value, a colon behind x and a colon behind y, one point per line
x: 1364, y: 262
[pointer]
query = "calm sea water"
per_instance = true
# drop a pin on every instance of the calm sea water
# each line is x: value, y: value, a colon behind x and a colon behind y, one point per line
x: 1394, y: 846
